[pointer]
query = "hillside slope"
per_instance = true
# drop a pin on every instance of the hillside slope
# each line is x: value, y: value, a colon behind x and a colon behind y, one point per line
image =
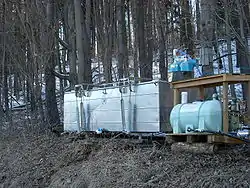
x: 44, y: 160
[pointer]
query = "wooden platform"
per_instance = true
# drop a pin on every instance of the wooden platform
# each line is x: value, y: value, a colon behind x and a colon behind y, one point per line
x: 204, y: 138
x: 211, y: 81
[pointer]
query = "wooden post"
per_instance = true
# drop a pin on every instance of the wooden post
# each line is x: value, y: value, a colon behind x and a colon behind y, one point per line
x: 176, y: 96
x: 248, y: 100
x: 197, y: 148
x: 225, y: 107
x: 201, y: 93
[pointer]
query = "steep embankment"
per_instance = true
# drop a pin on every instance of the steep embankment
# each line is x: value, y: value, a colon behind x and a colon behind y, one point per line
x: 50, y: 161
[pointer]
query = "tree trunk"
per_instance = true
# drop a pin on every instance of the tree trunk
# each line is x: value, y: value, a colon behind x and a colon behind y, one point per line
x: 129, y: 26
x: 229, y: 43
x: 141, y: 40
x: 187, y: 40
x: 79, y: 40
x: 50, y: 85
x: 136, y: 39
x: 122, y: 42
x: 16, y: 85
x: 106, y: 41
x: 72, y: 44
x: 30, y: 77
x: 186, y: 31
x: 4, y: 84
x: 198, y: 20
x: 207, y: 37
x: 87, y: 42
x: 241, y: 44
x: 150, y: 43
x: 5, y: 87
x: 160, y: 15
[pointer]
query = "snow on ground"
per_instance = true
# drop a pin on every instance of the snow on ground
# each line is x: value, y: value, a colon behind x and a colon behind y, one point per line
x: 223, y: 51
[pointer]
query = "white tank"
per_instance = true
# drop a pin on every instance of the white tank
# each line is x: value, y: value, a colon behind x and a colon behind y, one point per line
x: 197, y: 115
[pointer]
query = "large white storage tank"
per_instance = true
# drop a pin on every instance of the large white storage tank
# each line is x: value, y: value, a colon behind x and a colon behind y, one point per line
x: 131, y: 107
x: 71, y: 111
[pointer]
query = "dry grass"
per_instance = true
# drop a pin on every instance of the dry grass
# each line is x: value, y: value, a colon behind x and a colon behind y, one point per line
x: 41, y: 159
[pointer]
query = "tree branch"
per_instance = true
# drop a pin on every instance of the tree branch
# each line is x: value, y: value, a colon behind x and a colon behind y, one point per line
x: 63, y: 43
x: 224, y: 56
x: 61, y: 76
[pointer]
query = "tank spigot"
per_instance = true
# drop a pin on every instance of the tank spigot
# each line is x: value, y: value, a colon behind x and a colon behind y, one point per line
x: 189, y: 129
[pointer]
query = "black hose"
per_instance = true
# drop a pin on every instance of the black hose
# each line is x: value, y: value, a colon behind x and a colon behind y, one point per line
x: 219, y: 133
x: 247, y: 128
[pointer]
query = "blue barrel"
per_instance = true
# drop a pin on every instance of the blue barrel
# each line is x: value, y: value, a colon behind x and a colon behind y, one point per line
x: 187, y: 66
x: 174, y: 67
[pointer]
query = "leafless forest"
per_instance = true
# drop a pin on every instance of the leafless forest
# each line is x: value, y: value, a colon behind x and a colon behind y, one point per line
x: 49, y: 46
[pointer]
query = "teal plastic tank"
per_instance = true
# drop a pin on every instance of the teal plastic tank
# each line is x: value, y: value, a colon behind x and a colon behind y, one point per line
x: 205, y: 115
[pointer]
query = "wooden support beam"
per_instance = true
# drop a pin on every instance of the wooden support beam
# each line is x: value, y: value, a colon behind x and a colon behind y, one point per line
x: 198, y: 148
x: 199, y: 138
x: 223, y: 139
x: 177, y: 97
x: 248, y: 100
x: 190, y: 139
x: 210, y: 81
x: 225, y: 107
x: 201, y: 92
x: 236, y: 78
x: 205, y: 81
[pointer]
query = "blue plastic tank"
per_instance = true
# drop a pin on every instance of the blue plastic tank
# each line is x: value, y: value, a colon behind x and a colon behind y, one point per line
x: 188, y: 66
x: 205, y: 115
x: 174, y: 67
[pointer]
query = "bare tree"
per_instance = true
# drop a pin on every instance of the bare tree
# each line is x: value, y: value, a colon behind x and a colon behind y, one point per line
x: 229, y: 41
x: 50, y: 85
x: 140, y: 14
x: 243, y: 57
x: 160, y: 22
x: 150, y: 43
x: 122, y: 40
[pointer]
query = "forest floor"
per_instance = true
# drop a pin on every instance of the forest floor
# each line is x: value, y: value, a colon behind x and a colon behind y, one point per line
x: 42, y: 159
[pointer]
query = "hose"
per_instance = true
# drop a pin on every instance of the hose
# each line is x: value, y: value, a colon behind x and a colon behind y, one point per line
x: 219, y: 133
x: 247, y: 128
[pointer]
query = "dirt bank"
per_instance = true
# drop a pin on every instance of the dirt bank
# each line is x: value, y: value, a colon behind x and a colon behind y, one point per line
x: 45, y: 160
